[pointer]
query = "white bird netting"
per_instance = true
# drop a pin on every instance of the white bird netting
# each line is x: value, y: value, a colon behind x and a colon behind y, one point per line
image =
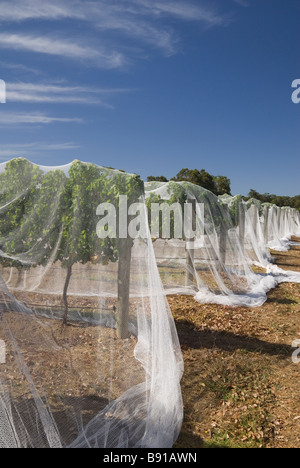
x: 90, y: 354
x: 215, y: 262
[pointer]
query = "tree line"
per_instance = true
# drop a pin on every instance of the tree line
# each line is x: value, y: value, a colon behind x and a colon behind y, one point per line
x: 293, y: 202
x: 221, y: 185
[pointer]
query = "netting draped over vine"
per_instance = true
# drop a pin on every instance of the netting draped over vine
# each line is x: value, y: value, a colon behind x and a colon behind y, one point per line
x: 90, y: 354
x: 230, y: 237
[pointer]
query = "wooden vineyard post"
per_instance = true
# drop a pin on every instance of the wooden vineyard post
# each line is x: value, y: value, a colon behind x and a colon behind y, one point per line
x: 279, y: 219
x: 282, y: 222
x: 254, y: 218
x: 266, y: 223
x: 65, y: 294
x: 125, y: 247
x: 223, y: 242
x: 223, y: 235
x: 190, y: 252
x: 242, y: 218
x: 189, y: 257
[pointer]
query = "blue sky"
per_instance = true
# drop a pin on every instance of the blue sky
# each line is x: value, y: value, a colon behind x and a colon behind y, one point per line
x: 152, y: 86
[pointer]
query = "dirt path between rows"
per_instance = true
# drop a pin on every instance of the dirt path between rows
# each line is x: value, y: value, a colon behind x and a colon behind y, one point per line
x: 240, y: 386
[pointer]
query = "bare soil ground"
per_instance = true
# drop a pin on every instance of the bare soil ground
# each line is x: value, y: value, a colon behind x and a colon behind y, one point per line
x: 240, y: 386
x: 76, y: 370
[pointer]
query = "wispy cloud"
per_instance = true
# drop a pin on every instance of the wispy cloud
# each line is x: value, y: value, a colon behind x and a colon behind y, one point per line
x: 19, y: 67
x: 8, y: 151
x: 147, y: 22
x: 183, y: 10
x: 103, y: 11
x: 18, y: 118
x: 62, y: 47
x: 21, y: 10
x: 52, y: 93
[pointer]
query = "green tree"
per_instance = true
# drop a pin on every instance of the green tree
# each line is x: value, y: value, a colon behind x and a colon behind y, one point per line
x: 87, y: 187
x: 293, y: 202
x: 222, y: 185
x: 194, y: 176
x: 157, y: 179
x: 176, y: 194
x: 51, y: 216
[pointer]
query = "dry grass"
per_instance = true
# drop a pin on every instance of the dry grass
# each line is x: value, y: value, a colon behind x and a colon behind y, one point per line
x: 240, y: 386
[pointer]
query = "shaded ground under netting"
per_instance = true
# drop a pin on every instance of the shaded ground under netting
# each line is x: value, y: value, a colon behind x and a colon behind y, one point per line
x: 76, y: 370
